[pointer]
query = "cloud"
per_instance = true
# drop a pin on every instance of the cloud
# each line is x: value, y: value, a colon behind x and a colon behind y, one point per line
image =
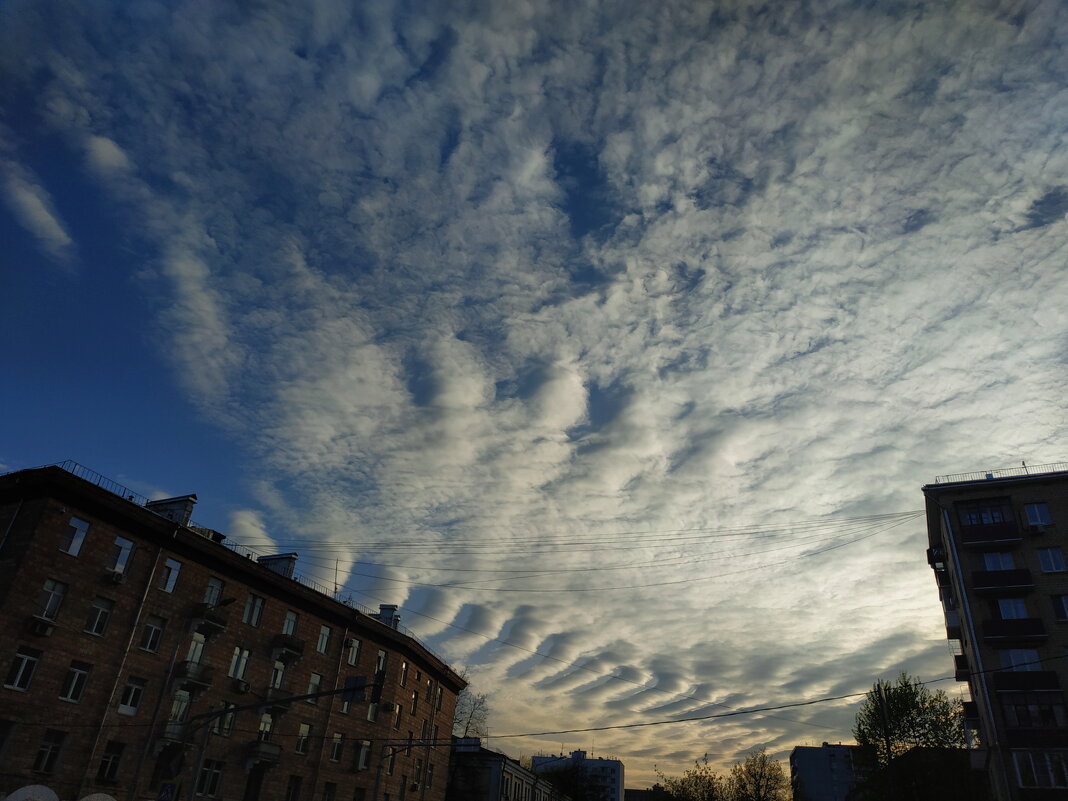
x: 33, y: 207
x: 606, y: 331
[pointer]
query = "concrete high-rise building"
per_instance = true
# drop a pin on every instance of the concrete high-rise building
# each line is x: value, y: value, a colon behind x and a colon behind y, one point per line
x: 604, y: 776
x: 826, y: 772
x: 997, y: 546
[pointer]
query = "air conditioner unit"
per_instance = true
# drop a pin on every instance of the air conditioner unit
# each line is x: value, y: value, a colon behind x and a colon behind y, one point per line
x: 116, y: 578
x: 241, y: 686
x: 39, y: 626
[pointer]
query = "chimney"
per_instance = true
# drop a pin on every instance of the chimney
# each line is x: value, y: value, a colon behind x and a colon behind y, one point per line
x: 387, y: 613
x: 284, y: 564
x: 177, y: 510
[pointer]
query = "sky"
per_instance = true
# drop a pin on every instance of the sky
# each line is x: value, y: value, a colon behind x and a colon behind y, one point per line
x: 613, y: 341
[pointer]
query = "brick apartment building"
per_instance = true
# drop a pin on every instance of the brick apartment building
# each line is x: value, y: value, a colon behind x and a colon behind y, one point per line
x: 145, y: 659
x: 997, y: 546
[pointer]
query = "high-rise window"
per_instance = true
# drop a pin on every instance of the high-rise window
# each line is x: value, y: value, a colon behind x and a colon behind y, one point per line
x: 49, y: 751
x: 168, y: 576
x: 1051, y: 560
x: 238, y: 663
x: 253, y: 610
x: 998, y: 560
x: 74, y: 682
x: 1060, y: 607
x: 99, y: 615
x: 109, y: 762
x: 1044, y: 769
x: 1019, y: 659
x: 213, y: 591
x: 289, y: 624
x: 152, y: 633
x: 1012, y: 608
x: 119, y: 558
x: 20, y: 674
x: 131, y: 696
x: 50, y: 599
x: 1037, y: 514
x: 303, y: 735
x: 72, y: 539
x: 210, y: 779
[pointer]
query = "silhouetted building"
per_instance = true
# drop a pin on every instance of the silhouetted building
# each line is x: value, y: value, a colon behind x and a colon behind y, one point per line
x: 605, y: 776
x: 997, y: 546
x: 826, y: 773
x: 142, y: 653
x: 479, y: 774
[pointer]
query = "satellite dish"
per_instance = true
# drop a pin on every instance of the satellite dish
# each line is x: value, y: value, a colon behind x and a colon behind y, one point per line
x: 33, y: 792
x: 98, y: 797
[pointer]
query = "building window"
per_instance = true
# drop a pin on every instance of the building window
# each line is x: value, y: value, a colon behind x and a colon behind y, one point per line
x: 210, y: 779
x: 253, y: 610
x: 293, y: 788
x: 418, y: 773
x: 415, y: 702
x: 329, y: 791
x: 372, y: 712
x: 179, y: 707
x: 1034, y: 710
x: 404, y: 674
x: 380, y: 662
x: 315, y: 681
x: 998, y: 560
x: 50, y: 599
x: 289, y: 625
x: 238, y: 663
x: 438, y: 699
x: 99, y: 615
x: 74, y: 536
x: 324, y: 640
x: 109, y: 762
x: 119, y: 558
x: 337, y: 745
x: 213, y: 591
x: 131, y: 696
x: 196, y: 648
x: 303, y: 734
x: 75, y: 680
x: 354, y: 651
x: 1045, y: 769
x: 1051, y: 560
x: 396, y: 716
x: 21, y: 673
x: 1012, y: 608
x: 1019, y: 659
x: 152, y: 633
x: 985, y: 513
x: 48, y: 753
x: 263, y: 734
x: 224, y: 723
x: 1060, y: 607
x: 391, y: 763
x: 1037, y: 514
x: 278, y: 675
x: 363, y: 755
x: 430, y: 775
x: 359, y: 794
x: 169, y: 576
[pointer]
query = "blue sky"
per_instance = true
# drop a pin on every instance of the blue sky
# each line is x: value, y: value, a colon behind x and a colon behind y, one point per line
x: 658, y: 303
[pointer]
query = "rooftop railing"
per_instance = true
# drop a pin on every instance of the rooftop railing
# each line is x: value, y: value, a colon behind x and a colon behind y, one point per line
x: 1006, y: 472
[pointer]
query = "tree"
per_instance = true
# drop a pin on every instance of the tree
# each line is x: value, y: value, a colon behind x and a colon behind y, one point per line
x: 472, y: 714
x: 758, y: 778
x: 699, y: 783
x: 893, y: 718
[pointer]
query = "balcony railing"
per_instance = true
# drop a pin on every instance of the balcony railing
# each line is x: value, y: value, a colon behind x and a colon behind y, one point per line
x: 1008, y: 472
x: 194, y: 675
x: 994, y: 581
x: 259, y: 751
x: 962, y: 671
x: 1025, y: 628
x: 1023, y: 680
x: 286, y: 648
x: 209, y: 619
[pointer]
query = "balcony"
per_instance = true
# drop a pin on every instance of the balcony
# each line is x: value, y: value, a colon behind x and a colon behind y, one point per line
x: 962, y: 670
x: 286, y: 648
x: 952, y: 624
x: 276, y: 696
x: 173, y: 732
x: 259, y: 751
x: 209, y: 620
x: 194, y: 676
x: 971, y: 713
x: 1025, y: 628
x: 1025, y: 680
x: 990, y: 533
x: 994, y: 582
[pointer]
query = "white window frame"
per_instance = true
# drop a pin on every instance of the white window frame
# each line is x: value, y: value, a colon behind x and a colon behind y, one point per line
x: 169, y: 577
x: 354, y: 651
x: 213, y: 591
x: 152, y: 633
x: 210, y: 779
x: 196, y: 648
x: 289, y: 623
x: 998, y: 560
x: 48, y: 752
x: 51, y: 599
x: 278, y: 674
x: 99, y: 616
x: 119, y: 558
x: 238, y: 663
x: 323, y: 643
x: 74, y: 537
x: 337, y: 746
x: 303, y: 736
x: 363, y: 755
x: 1038, y: 514
x: 132, y: 694
x: 315, y: 684
x: 20, y: 675
x: 253, y: 610
x: 1012, y: 608
x: 73, y: 687
x: 1019, y: 659
x: 110, y: 760
x: 1042, y: 765
x: 1051, y: 560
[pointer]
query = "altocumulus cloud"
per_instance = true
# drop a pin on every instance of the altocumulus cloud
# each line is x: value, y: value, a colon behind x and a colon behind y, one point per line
x: 542, y: 289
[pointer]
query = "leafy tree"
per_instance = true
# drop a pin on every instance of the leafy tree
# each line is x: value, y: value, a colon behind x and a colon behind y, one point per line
x: 758, y: 778
x: 893, y: 718
x: 699, y: 783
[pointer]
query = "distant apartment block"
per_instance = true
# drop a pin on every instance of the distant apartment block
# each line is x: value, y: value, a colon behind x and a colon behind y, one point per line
x: 479, y: 774
x: 825, y: 773
x: 605, y: 776
x: 997, y: 546
x: 143, y: 659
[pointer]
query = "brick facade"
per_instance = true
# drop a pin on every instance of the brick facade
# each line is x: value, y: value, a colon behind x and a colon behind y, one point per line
x: 81, y: 623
